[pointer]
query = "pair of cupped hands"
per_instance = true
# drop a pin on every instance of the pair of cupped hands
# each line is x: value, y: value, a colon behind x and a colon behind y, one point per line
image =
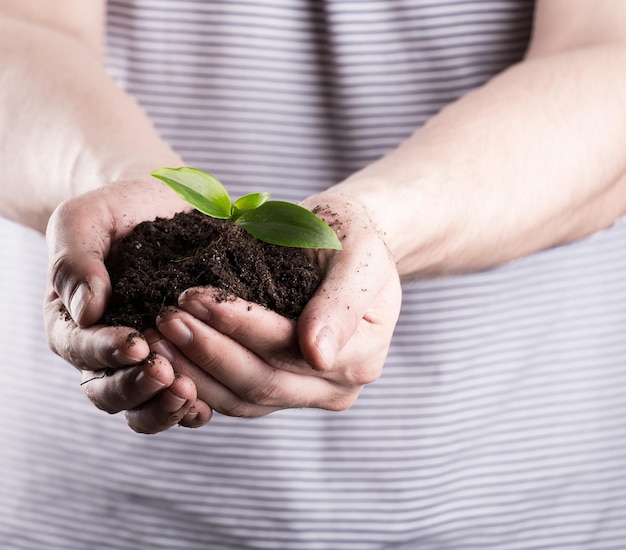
x: 208, y: 354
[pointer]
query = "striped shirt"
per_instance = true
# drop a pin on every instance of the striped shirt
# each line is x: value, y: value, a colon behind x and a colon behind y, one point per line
x: 499, y: 422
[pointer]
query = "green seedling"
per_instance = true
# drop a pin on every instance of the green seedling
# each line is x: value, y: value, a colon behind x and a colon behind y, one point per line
x: 275, y: 222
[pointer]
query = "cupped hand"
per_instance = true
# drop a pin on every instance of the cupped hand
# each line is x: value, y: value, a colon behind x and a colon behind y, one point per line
x: 118, y: 370
x: 248, y: 361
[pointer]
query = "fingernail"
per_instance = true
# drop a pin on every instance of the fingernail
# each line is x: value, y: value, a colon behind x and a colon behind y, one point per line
x: 176, y: 331
x: 196, y: 309
x: 163, y: 350
x: 78, y: 301
x: 171, y: 402
x: 148, y: 385
x: 122, y: 358
x: 327, y: 346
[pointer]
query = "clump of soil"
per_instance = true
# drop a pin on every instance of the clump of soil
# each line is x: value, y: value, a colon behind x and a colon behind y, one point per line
x: 162, y: 258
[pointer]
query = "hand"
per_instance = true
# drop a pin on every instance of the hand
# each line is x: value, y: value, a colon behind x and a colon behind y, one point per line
x: 247, y: 361
x: 117, y: 370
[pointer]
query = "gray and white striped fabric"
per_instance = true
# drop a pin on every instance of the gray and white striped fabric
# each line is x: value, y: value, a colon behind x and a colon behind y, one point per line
x: 500, y: 419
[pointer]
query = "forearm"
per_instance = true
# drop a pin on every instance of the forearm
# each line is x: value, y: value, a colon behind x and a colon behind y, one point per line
x: 65, y: 127
x: 532, y: 159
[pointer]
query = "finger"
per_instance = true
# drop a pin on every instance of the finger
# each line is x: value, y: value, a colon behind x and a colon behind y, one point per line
x: 198, y: 415
x: 82, y: 231
x: 79, y: 239
x: 354, y: 279
x: 116, y: 390
x: 166, y: 409
x: 361, y: 360
x: 267, y: 334
x: 133, y: 389
x: 212, y: 392
x: 367, y: 349
x: 238, y: 369
x: 228, y: 403
x: 95, y: 348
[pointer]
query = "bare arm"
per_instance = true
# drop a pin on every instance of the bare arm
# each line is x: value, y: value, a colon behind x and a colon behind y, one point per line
x: 75, y: 18
x: 75, y: 156
x: 65, y: 127
x: 532, y: 159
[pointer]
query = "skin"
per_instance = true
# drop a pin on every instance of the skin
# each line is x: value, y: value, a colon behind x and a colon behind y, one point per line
x: 532, y: 159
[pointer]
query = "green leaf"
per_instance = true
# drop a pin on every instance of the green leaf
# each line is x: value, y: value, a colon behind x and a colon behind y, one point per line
x: 287, y: 224
x: 200, y: 189
x: 248, y: 202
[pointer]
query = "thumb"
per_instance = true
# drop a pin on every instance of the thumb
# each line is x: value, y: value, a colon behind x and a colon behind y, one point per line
x: 355, y: 278
x: 80, y: 234
x: 78, y: 241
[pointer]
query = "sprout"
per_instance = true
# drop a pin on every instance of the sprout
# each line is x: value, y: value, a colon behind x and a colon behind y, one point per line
x: 275, y: 222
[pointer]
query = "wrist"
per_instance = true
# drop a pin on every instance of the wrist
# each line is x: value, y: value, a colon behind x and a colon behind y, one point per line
x: 417, y: 236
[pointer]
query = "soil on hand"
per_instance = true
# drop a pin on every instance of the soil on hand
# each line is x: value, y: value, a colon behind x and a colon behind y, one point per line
x: 161, y: 259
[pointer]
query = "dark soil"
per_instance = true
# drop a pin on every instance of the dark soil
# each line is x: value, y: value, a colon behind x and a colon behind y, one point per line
x: 160, y: 259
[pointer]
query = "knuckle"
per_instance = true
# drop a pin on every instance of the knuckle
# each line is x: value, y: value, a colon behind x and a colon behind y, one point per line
x: 103, y: 393
x: 364, y: 374
x: 236, y: 408
x: 140, y: 427
x: 149, y: 418
x: 228, y: 324
x: 356, y: 375
x: 341, y: 402
x: 212, y: 363
x: 102, y: 404
x: 55, y: 347
x: 266, y: 392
